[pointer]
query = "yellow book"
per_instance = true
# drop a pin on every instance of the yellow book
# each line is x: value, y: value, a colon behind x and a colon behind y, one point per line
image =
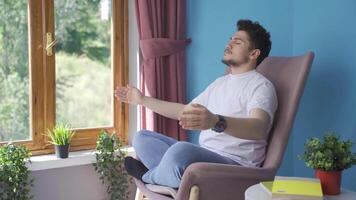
x: 293, y: 188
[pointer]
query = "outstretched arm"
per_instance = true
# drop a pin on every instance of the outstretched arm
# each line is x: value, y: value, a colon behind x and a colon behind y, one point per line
x: 134, y: 96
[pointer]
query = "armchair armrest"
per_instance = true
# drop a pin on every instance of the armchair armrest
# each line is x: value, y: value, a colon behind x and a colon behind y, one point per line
x: 221, y: 181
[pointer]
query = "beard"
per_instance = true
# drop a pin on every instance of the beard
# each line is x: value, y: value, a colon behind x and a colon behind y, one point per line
x: 229, y: 62
x: 234, y: 63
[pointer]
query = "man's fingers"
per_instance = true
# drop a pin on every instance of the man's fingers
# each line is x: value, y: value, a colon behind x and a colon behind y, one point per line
x: 124, y: 88
x: 196, y: 105
x: 191, y: 127
x: 189, y: 123
x: 122, y: 98
x: 189, y: 117
x: 121, y: 90
x: 192, y: 112
x: 120, y: 93
x: 185, y: 121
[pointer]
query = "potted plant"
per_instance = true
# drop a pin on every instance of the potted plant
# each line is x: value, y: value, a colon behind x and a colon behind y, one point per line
x: 109, y: 165
x: 60, y: 136
x: 329, y: 158
x: 14, y: 175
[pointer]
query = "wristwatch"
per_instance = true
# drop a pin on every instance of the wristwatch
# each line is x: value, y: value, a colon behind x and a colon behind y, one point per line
x: 221, y: 125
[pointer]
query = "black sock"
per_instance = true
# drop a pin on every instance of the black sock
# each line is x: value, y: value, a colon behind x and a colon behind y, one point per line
x: 135, y: 167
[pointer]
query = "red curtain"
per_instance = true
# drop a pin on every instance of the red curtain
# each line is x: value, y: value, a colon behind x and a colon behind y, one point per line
x: 162, y: 26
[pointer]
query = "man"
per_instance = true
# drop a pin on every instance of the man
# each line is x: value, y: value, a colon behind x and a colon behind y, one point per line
x: 234, y: 114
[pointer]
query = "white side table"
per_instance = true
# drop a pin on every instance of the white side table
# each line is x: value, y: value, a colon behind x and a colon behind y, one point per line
x: 256, y: 192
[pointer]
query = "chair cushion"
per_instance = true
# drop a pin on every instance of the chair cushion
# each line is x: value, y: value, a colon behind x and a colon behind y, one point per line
x: 162, y: 190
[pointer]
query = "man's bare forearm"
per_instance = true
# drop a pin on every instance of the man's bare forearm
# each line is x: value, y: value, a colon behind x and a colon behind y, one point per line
x: 165, y: 108
x: 246, y: 128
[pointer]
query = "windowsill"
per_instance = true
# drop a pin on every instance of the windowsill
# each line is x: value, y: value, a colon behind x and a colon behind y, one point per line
x: 76, y: 158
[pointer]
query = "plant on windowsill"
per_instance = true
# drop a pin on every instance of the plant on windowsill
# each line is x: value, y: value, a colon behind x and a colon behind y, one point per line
x: 14, y: 175
x: 109, y: 165
x: 61, y: 136
x: 329, y: 158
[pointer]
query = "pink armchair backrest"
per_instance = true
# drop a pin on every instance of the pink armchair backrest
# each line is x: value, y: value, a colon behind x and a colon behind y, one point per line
x: 288, y: 76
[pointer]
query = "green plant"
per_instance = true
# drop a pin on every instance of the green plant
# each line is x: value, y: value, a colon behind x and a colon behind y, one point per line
x: 332, y: 154
x: 61, y: 134
x: 109, y: 165
x: 14, y: 175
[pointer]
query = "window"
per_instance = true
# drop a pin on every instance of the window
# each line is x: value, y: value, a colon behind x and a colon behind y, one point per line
x: 60, y: 62
x: 14, y: 73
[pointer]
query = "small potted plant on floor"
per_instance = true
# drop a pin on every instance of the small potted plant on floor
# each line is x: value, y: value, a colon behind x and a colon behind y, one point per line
x: 15, y: 182
x: 329, y: 158
x: 109, y: 165
x: 60, y: 136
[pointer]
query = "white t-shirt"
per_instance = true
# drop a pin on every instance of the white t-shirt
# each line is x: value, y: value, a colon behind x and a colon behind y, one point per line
x: 234, y: 95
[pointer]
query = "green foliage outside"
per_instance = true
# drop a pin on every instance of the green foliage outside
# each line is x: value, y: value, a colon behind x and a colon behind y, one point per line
x: 331, y: 154
x: 14, y: 112
x: 83, y: 101
x: 14, y: 175
x: 80, y: 31
x: 109, y: 165
x: 83, y: 90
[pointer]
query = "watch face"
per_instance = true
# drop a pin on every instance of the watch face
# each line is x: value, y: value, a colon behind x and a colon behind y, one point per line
x: 220, y: 126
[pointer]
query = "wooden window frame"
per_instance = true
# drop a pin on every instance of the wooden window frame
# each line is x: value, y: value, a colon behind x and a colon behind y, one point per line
x: 42, y: 79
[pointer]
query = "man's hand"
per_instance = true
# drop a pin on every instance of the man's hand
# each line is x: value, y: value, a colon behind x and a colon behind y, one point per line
x: 129, y: 95
x: 197, y: 117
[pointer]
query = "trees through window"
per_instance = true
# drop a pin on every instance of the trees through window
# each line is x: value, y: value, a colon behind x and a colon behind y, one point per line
x: 59, y: 62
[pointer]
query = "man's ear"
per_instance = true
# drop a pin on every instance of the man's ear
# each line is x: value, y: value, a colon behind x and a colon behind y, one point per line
x: 254, y: 54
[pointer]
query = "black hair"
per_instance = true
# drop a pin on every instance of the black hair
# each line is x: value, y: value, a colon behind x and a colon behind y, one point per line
x: 259, y: 38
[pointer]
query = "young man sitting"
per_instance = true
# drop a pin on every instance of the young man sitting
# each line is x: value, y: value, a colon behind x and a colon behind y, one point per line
x: 234, y: 115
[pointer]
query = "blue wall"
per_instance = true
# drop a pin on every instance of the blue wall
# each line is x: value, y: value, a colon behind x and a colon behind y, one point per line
x: 329, y: 101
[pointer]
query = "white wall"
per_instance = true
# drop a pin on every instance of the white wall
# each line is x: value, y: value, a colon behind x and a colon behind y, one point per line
x: 70, y: 183
x: 134, y: 115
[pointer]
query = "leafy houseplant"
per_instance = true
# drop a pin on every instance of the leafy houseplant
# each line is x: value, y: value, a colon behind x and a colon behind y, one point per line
x: 329, y: 158
x: 14, y: 175
x: 109, y: 165
x: 60, y: 136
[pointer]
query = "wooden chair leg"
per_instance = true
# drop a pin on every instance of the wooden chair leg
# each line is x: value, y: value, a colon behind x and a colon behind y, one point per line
x: 194, y: 193
x: 139, y: 194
